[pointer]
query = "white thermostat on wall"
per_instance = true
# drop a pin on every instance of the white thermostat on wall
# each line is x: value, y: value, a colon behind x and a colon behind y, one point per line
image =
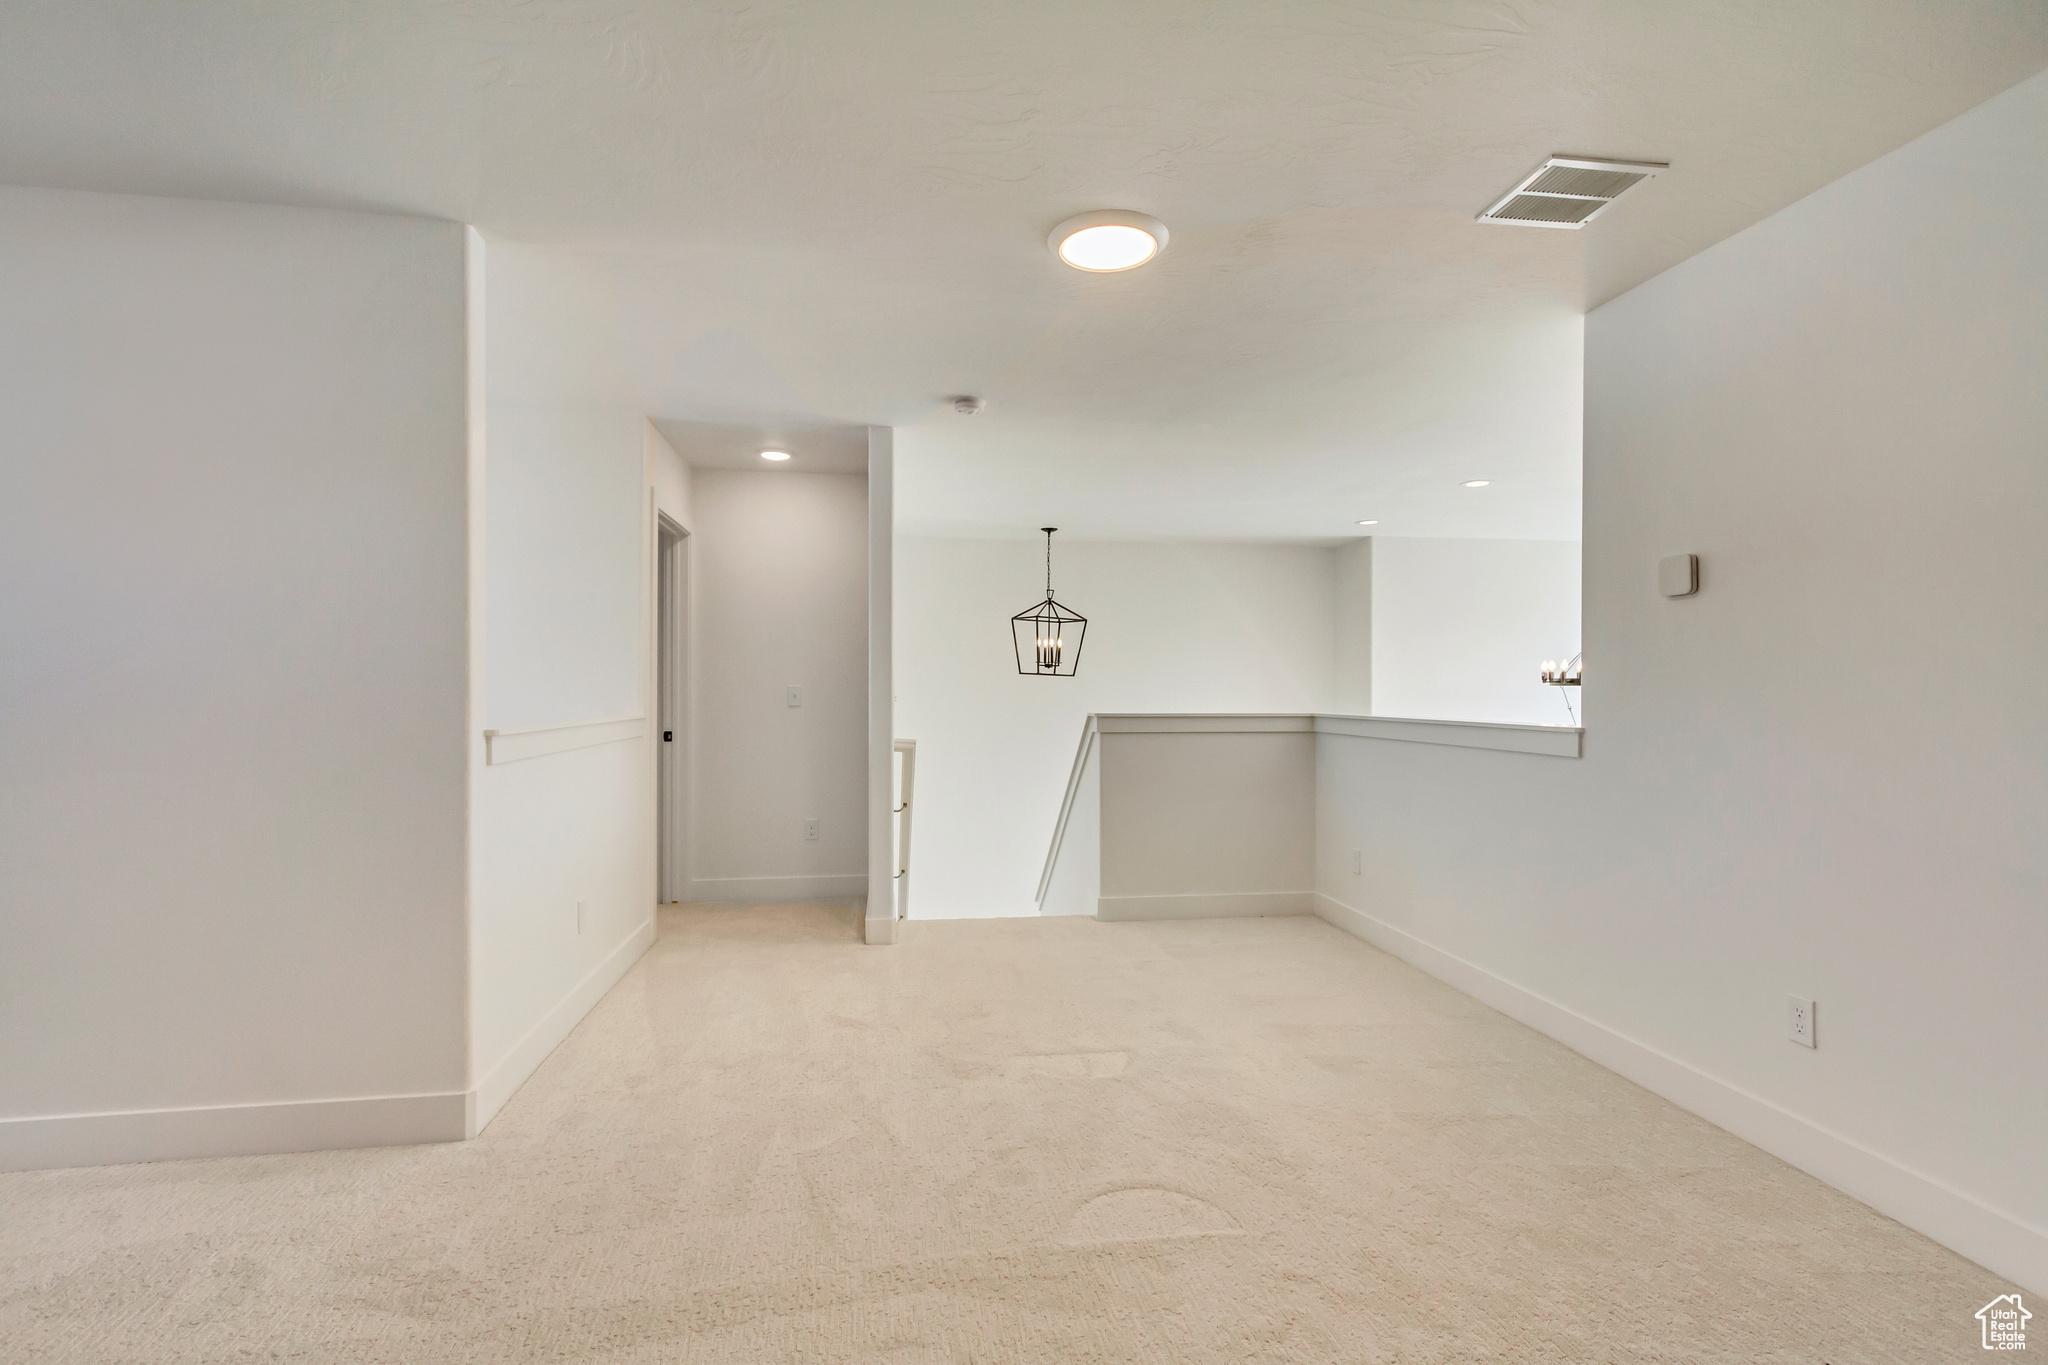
x: 1678, y: 575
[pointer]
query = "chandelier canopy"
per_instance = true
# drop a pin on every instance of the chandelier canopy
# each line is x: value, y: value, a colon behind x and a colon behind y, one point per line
x: 1047, y: 636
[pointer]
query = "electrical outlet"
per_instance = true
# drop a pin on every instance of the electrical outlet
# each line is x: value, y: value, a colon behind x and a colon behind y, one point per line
x: 1358, y: 862
x: 810, y: 829
x: 579, y: 917
x: 1799, y: 1020
x: 796, y: 696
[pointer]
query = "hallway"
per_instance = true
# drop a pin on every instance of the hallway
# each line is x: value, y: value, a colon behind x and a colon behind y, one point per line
x: 1006, y: 1140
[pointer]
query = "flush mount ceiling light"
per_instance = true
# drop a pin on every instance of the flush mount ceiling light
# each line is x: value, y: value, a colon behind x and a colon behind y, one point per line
x: 1107, y: 240
x: 1569, y: 191
x: 1368, y: 523
x: 1046, y: 627
x: 776, y: 455
x: 1477, y: 483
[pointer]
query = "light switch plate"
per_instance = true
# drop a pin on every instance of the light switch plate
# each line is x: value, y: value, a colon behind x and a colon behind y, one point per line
x: 796, y: 696
x: 1678, y: 575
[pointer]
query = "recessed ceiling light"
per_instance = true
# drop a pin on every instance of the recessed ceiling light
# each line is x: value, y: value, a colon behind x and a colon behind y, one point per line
x: 1477, y: 483
x: 1108, y: 239
x: 774, y: 454
x: 1368, y: 523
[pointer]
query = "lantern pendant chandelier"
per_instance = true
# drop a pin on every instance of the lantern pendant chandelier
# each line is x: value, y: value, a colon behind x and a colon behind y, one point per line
x: 1048, y: 636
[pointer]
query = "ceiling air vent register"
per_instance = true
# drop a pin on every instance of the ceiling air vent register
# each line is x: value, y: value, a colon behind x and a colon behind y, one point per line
x: 1569, y: 191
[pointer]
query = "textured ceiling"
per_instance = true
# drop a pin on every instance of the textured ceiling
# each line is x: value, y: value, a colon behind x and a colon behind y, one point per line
x: 812, y: 448
x: 815, y: 213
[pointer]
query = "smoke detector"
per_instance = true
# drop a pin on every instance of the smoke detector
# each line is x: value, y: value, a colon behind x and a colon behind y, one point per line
x: 967, y: 406
x: 1569, y: 191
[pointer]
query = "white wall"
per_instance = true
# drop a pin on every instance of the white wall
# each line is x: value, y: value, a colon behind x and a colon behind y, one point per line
x: 565, y: 522
x: 565, y: 502
x: 1352, y: 694
x: 670, y: 476
x: 778, y: 598
x: 232, y: 500
x: 1199, y: 825
x: 1827, y: 774
x: 1460, y: 628
x: 1173, y: 626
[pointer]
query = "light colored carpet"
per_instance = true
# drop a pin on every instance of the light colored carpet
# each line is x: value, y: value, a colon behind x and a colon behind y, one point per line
x: 1002, y: 1141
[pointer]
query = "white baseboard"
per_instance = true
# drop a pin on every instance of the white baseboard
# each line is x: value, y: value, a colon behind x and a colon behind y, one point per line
x: 504, y: 1079
x: 880, y: 930
x: 43, y: 1143
x: 33, y: 1144
x: 1994, y: 1239
x: 1237, y: 905
x: 777, y: 890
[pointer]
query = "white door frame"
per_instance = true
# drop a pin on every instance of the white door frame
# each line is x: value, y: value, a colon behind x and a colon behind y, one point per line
x: 671, y: 710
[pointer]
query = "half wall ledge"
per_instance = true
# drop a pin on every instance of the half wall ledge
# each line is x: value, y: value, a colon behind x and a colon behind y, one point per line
x: 1558, y: 741
x: 1206, y: 816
